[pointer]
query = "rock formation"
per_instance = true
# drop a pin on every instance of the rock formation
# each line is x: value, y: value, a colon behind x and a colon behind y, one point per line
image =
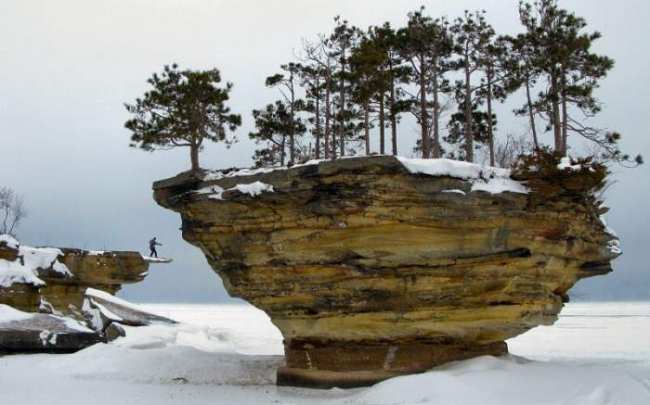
x: 49, y: 287
x: 377, y: 267
x: 41, y: 278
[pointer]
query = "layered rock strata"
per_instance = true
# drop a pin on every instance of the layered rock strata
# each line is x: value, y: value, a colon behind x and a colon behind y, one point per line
x: 377, y: 267
x: 55, y: 280
x: 60, y: 300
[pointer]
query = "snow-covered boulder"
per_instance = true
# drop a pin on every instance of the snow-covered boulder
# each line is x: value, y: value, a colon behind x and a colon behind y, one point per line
x: 22, y: 332
x: 103, y: 309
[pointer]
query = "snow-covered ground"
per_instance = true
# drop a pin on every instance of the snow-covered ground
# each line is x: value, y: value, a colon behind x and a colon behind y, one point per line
x: 595, y: 354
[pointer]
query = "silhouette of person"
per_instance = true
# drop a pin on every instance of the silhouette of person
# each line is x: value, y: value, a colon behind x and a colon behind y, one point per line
x: 152, y: 247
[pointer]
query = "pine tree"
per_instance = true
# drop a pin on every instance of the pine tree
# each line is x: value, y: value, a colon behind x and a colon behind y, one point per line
x: 287, y: 83
x: 319, y: 57
x: 571, y: 72
x: 523, y: 72
x: 274, y: 125
x: 184, y: 108
x: 311, y: 79
x: 471, y: 34
x: 426, y: 45
x: 340, y: 44
x: 367, y: 61
x: 495, y: 84
x: 480, y: 130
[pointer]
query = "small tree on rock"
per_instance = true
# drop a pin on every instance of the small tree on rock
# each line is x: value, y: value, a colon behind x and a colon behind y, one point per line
x: 183, y: 109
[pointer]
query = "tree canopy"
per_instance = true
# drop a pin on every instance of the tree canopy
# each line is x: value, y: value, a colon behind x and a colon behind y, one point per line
x: 183, y: 108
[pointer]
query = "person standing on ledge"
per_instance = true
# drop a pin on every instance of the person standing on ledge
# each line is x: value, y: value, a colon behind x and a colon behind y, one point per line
x: 152, y: 247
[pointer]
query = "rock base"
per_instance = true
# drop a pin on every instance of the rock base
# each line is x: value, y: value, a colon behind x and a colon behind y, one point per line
x: 357, y: 364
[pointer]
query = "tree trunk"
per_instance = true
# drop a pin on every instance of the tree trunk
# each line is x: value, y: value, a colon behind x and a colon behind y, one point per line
x: 382, y: 132
x: 194, y: 156
x: 318, y: 128
x: 531, y: 115
x: 282, y: 151
x: 366, y: 125
x: 342, y: 108
x: 469, y: 135
x: 557, y: 130
x: 424, y: 129
x: 393, y: 113
x: 565, y: 117
x: 490, y: 123
x: 292, y: 128
x: 328, y: 115
x: 437, y: 152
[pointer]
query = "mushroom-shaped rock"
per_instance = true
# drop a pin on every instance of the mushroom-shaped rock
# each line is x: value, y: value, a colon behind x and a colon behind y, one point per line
x: 382, y: 266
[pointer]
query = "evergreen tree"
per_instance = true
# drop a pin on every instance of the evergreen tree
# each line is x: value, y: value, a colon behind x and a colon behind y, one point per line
x: 426, y: 45
x: 480, y: 130
x: 368, y: 80
x: 523, y: 72
x: 287, y: 83
x: 274, y: 125
x: 471, y: 35
x: 390, y: 73
x: 184, y: 108
x: 311, y: 79
x: 495, y: 84
x: 572, y: 73
x: 340, y: 44
x: 318, y: 57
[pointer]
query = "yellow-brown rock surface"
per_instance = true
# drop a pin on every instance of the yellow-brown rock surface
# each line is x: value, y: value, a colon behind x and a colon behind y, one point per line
x: 63, y: 291
x: 370, y: 270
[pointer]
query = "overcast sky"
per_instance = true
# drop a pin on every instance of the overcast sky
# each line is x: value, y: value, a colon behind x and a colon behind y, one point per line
x: 67, y: 67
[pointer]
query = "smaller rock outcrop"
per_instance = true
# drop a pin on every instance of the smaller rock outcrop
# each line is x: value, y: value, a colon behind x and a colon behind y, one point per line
x: 44, y: 293
x: 54, y: 280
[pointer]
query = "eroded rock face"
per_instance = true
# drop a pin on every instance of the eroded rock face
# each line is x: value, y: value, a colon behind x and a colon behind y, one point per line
x: 371, y: 270
x: 60, y: 277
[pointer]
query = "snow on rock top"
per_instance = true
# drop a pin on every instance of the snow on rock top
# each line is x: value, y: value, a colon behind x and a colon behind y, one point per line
x: 483, y: 178
x: 150, y: 259
x: 29, y: 320
x: 24, y: 270
x: 9, y: 241
x: 452, y: 168
x: 103, y: 295
x: 10, y: 314
x: 218, y: 175
x: 252, y: 189
x: 223, y: 174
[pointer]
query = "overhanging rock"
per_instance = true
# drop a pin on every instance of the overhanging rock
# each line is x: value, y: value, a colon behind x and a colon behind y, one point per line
x: 376, y: 267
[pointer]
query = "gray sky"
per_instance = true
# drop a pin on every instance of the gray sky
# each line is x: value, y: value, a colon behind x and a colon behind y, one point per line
x: 67, y: 66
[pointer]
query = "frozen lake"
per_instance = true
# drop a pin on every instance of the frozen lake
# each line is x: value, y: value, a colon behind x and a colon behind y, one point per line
x: 595, y: 354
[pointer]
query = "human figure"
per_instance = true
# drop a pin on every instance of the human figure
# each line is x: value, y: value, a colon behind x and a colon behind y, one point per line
x: 152, y: 247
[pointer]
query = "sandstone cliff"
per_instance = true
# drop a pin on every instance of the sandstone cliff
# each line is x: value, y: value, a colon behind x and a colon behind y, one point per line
x: 55, y: 280
x: 376, y: 267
